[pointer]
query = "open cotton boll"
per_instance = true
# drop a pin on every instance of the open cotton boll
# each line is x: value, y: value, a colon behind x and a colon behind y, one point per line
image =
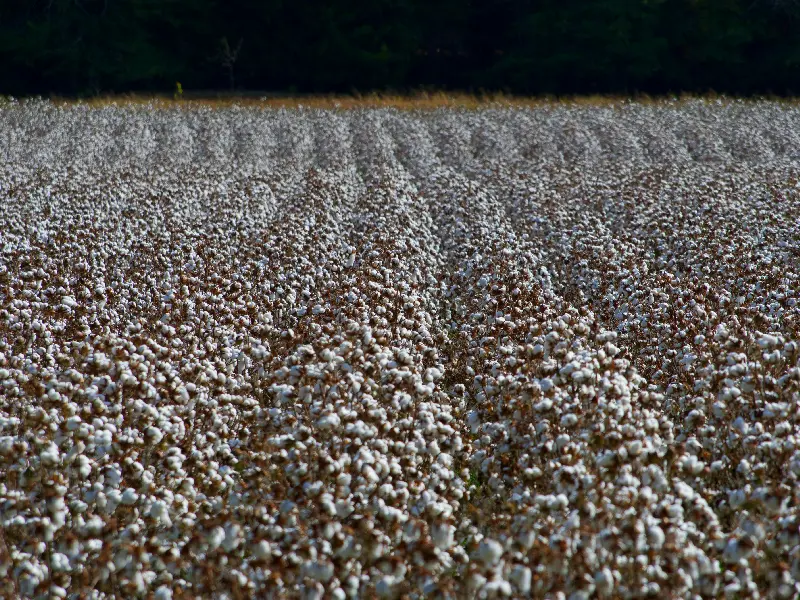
x: 604, y: 582
x: 60, y: 562
x: 442, y: 536
x: 767, y: 341
x: 160, y: 512
x: 163, y: 593
x: 329, y: 421
x: 489, y: 552
x: 129, y: 497
x: 50, y: 455
x: 263, y: 550
x: 154, y: 435
x: 215, y: 538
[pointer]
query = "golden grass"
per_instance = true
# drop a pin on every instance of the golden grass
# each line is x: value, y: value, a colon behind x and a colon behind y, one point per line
x: 404, y: 102
x: 420, y: 101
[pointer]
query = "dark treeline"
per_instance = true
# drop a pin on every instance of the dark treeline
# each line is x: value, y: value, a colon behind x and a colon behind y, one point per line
x: 82, y: 47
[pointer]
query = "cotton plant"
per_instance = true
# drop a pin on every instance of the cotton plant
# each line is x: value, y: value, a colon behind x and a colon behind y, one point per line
x: 544, y: 351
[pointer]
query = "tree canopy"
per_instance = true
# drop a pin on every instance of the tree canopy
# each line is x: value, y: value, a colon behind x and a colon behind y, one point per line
x: 83, y: 47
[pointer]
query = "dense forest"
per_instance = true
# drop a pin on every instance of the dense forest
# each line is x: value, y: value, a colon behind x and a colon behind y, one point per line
x: 86, y: 47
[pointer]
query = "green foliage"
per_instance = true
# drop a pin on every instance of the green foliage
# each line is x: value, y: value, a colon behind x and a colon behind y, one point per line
x: 475, y: 479
x: 548, y: 46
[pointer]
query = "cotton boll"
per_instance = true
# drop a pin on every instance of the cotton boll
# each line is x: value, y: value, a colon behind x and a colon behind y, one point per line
x: 263, y: 550
x: 154, y: 435
x: 569, y: 420
x: 521, y: 578
x: 604, y: 582
x: 442, y: 536
x: 163, y: 593
x: 160, y: 513
x: 497, y: 588
x: 766, y: 341
x: 233, y: 537
x: 655, y: 537
x: 50, y: 455
x: 329, y: 421
x: 489, y: 552
x: 129, y: 497
x: 215, y: 538
x: 319, y: 571
x: 474, y: 421
x: 385, y: 587
x: 736, y: 550
x: 60, y: 562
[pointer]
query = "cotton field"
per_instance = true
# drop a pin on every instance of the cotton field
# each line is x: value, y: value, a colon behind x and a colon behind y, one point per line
x: 543, y: 352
